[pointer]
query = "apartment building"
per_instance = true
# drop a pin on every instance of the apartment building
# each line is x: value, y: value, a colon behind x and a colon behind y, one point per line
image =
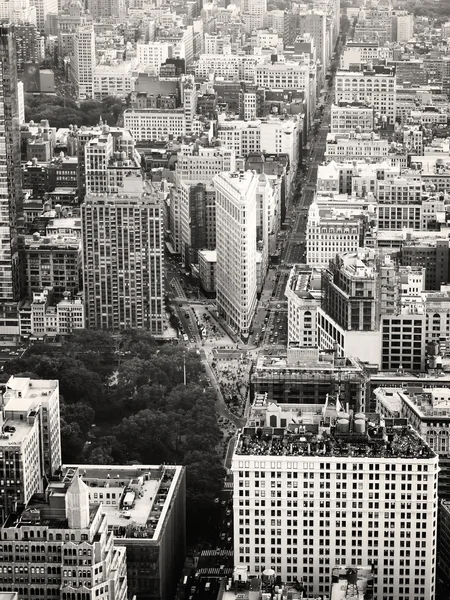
x: 283, y: 76
x: 402, y: 26
x: 51, y: 261
x: 199, y: 164
x: 113, y: 79
x: 236, y: 283
x: 314, y: 23
x: 41, y: 318
x: 400, y: 202
x: 357, y: 146
x: 272, y: 135
x: 375, y: 86
x: 232, y: 67
x: 358, y: 490
x: 123, y: 257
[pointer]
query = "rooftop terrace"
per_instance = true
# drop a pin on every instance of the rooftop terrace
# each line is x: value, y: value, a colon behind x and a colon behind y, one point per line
x: 334, y: 434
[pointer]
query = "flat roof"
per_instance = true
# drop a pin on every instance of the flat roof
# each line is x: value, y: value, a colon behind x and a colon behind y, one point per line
x: 153, y: 487
x: 22, y: 394
x: 377, y: 441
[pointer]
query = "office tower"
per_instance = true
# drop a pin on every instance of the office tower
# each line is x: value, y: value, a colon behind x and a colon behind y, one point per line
x: 44, y: 8
x: 11, y: 188
x: 30, y: 447
x: 83, y: 62
x: 61, y: 548
x: 123, y: 257
x: 236, y: 248
x: 196, y: 197
x: 145, y: 506
x: 318, y: 489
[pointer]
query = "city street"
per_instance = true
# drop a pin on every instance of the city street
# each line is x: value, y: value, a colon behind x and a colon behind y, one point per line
x: 295, y: 249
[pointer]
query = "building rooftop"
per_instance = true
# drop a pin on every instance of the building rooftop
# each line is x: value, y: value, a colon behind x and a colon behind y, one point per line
x: 135, y: 498
x: 328, y: 432
x: 304, y: 282
x: 351, y: 583
x: 427, y: 404
x: 23, y: 394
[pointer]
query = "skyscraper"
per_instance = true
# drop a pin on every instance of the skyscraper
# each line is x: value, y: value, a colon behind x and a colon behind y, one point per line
x: 315, y: 490
x: 123, y: 257
x: 236, y: 248
x: 83, y: 63
x: 10, y: 173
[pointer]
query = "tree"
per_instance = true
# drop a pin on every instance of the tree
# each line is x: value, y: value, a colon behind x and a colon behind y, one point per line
x: 72, y: 441
x: 79, y: 413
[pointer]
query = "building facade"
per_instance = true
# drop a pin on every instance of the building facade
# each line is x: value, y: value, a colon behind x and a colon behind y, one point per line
x: 123, y: 258
x: 236, y: 248
x: 304, y: 513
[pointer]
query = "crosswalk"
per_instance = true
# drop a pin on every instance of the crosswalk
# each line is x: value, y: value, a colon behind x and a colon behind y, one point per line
x: 221, y: 552
x: 224, y: 572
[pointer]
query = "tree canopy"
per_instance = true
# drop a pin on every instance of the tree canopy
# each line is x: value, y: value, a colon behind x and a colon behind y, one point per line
x: 60, y: 112
x: 123, y: 400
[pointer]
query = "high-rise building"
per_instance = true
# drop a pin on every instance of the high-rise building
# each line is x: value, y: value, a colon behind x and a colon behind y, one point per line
x: 146, y: 510
x: 10, y: 174
x: 110, y: 157
x: 68, y: 535
x: 123, y: 257
x: 106, y: 9
x: 27, y: 44
x: 318, y: 489
x: 257, y: 11
x: 43, y: 9
x: 83, y: 62
x: 236, y: 248
x: 402, y: 26
x: 198, y: 220
x: 53, y: 261
x: 30, y: 445
x: 343, y: 234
